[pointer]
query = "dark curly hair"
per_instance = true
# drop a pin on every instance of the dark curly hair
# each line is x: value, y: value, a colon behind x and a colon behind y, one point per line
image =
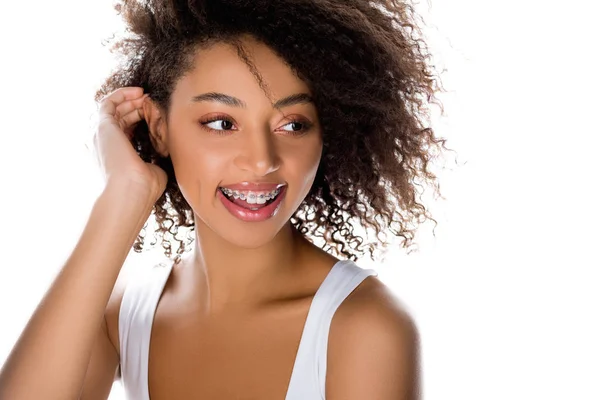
x: 367, y: 69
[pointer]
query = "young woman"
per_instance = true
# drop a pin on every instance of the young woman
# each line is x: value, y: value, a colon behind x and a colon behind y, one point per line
x: 261, y: 125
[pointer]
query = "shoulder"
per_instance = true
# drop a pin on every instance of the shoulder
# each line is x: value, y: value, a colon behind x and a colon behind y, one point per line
x: 374, y: 306
x: 374, y: 338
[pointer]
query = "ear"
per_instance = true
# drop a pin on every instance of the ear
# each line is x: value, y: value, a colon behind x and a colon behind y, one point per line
x: 157, y: 126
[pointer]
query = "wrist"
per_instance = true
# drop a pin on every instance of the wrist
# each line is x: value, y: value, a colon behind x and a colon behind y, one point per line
x: 130, y: 191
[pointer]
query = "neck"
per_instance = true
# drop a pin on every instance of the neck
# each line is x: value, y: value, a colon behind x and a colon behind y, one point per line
x: 228, y: 277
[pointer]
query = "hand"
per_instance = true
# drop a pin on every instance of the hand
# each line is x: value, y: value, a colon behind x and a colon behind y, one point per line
x: 119, y: 112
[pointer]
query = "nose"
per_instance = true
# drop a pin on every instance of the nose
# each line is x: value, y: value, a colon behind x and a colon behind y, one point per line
x: 257, y: 153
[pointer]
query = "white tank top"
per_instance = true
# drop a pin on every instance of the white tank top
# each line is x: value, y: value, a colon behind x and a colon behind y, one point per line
x: 307, y: 382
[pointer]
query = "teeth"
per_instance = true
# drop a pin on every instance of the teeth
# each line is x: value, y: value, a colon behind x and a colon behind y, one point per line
x: 251, y: 197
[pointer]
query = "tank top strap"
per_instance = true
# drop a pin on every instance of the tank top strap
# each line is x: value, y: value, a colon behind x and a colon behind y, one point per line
x: 308, y: 377
x: 136, y: 316
x: 342, y: 283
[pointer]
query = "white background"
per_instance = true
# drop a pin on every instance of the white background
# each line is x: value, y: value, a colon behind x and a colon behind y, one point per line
x: 505, y: 295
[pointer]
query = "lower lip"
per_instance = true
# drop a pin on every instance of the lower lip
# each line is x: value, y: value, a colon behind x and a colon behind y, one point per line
x: 247, y: 215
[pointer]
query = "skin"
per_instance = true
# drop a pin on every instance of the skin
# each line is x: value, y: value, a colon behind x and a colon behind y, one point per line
x: 230, y: 318
x: 238, y: 302
x: 237, y: 264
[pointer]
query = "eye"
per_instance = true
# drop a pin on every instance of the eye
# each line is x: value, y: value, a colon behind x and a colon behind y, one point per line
x: 297, y: 127
x: 219, y: 124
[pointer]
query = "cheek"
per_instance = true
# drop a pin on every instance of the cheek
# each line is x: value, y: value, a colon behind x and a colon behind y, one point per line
x: 304, y: 164
x: 198, y: 171
x: 313, y: 158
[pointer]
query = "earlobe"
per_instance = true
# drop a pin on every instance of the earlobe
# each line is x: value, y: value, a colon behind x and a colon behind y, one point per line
x: 156, y: 126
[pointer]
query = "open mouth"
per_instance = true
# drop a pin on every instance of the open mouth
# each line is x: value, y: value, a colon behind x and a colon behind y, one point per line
x: 252, y: 206
x: 251, y: 200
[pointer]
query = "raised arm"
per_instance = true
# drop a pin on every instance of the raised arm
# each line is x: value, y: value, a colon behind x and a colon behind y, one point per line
x: 51, y: 357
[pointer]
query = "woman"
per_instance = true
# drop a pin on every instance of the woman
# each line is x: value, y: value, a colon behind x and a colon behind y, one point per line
x: 264, y: 126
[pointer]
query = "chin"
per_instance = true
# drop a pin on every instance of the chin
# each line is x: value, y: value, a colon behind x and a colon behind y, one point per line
x: 244, y: 234
x: 251, y: 237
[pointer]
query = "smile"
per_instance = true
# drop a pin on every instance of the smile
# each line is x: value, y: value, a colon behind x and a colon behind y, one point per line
x: 252, y: 206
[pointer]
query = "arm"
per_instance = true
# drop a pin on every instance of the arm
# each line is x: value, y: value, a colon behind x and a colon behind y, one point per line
x: 51, y: 356
x: 375, y: 355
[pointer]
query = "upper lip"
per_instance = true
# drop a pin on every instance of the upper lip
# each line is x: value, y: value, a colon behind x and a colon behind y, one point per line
x: 258, y: 186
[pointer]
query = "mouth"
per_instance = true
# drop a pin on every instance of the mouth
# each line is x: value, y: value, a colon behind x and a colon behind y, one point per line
x: 252, y: 206
x: 252, y: 200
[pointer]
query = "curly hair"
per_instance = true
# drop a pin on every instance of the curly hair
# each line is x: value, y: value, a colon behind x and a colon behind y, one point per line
x: 366, y: 66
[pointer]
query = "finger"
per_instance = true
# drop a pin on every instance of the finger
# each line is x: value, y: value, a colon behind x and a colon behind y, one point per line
x: 132, y: 118
x: 109, y: 104
x: 128, y: 106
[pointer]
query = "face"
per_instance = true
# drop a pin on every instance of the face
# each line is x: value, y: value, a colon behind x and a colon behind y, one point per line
x: 223, y: 131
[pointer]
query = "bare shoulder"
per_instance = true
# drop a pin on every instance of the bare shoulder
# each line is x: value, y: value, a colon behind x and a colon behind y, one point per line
x: 374, y: 338
x: 373, y: 302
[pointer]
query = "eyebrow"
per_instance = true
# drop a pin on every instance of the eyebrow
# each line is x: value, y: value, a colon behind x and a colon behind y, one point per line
x: 298, y: 98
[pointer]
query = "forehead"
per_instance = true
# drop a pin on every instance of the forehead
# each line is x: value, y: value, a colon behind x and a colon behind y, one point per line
x: 219, y: 68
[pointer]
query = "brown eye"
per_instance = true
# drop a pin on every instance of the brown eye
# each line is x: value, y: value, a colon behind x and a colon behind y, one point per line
x: 297, y: 127
x: 219, y: 124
